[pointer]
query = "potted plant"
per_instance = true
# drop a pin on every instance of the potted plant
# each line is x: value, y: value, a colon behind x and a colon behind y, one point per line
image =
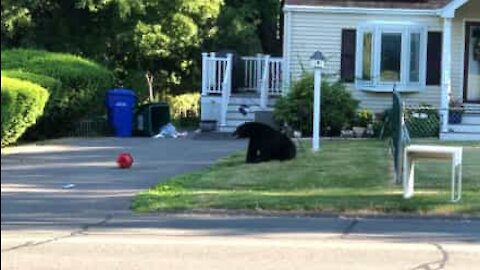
x: 455, y: 111
x: 362, y: 119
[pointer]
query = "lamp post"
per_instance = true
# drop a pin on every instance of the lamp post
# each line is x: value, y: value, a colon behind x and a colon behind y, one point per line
x: 318, y: 62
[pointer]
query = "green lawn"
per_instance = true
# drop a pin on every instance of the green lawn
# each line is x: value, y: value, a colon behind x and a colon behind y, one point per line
x: 346, y: 176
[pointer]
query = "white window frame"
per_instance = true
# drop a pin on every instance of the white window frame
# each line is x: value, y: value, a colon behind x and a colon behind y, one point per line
x: 377, y: 29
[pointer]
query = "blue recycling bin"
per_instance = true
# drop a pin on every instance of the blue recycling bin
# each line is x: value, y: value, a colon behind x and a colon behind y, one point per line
x: 120, y: 104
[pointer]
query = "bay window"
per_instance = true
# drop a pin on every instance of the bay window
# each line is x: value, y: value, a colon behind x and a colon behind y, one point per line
x: 391, y: 54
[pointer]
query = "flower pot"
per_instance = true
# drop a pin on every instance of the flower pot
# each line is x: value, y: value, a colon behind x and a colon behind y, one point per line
x: 455, y: 116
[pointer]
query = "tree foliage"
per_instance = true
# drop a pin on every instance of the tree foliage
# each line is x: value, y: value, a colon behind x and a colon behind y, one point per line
x: 134, y: 36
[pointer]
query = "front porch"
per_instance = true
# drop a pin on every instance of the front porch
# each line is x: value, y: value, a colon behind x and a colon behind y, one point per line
x: 461, y: 70
x: 230, y: 82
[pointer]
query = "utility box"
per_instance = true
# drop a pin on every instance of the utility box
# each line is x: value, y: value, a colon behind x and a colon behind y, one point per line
x: 266, y: 117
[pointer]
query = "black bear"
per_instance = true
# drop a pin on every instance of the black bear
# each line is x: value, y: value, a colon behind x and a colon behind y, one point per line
x: 265, y: 143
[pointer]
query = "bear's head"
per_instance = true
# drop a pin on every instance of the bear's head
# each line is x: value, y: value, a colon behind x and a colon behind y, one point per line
x: 242, y: 131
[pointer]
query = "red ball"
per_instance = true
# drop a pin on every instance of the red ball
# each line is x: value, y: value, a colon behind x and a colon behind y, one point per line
x: 124, y: 160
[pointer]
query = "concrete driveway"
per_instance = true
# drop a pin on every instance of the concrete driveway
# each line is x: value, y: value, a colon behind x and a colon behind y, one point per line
x: 34, y: 177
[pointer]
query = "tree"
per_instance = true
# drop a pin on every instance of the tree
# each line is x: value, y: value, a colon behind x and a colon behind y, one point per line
x: 164, y: 37
x: 129, y: 36
x: 249, y: 27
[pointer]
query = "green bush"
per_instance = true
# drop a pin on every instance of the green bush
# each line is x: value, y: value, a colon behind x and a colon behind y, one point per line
x: 43, y: 127
x: 22, y: 103
x: 52, y: 85
x: 185, y: 108
x: 80, y: 94
x: 338, y: 107
x: 363, y: 118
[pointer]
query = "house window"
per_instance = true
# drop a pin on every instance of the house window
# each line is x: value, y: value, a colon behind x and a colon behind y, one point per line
x: 391, y: 54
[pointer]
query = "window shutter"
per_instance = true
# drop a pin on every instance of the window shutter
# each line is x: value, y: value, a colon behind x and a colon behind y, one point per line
x: 434, y: 58
x: 347, y: 69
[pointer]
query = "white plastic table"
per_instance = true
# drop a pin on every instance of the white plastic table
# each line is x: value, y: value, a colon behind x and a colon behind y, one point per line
x: 415, y: 152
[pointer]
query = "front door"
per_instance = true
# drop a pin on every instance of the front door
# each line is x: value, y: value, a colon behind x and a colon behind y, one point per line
x: 471, y: 85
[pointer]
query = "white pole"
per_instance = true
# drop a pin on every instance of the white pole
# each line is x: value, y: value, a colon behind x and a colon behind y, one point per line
x: 204, y: 74
x: 316, y: 110
x: 446, y: 72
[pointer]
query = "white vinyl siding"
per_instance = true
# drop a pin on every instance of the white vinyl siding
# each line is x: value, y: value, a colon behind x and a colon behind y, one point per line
x: 311, y: 31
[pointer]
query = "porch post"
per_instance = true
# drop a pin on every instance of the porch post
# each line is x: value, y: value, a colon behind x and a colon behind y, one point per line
x: 226, y: 88
x: 264, y: 82
x: 446, y: 71
x: 258, y: 72
x: 286, y: 52
x: 204, y: 74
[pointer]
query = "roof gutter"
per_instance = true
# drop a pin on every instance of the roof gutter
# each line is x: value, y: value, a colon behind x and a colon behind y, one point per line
x: 359, y: 10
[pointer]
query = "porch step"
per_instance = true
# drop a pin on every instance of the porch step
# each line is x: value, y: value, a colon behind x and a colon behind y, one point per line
x: 468, y: 130
x: 464, y: 128
x: 234, y: 107
x: 239, y: 116
x: 250, y: 101
x: 470, y: 118
x: 452, y: 136
x: 472, y: 108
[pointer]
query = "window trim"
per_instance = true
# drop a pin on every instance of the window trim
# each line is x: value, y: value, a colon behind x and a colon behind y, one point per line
x: 406, y: 30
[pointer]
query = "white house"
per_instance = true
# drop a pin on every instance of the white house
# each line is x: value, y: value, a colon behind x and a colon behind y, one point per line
x: 428, y: 49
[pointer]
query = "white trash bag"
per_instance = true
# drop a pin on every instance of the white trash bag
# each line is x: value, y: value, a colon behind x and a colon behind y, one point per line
x: 169, y: 131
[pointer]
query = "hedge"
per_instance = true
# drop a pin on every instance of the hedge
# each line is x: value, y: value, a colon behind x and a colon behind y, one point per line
x: 80, y: 94
x: 43, y: 127
x: 22, y: 104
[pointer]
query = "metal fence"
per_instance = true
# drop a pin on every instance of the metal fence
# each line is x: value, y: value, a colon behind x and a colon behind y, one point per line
x: 407, y: 122
x: 91, y: 128
x: 422, y: 121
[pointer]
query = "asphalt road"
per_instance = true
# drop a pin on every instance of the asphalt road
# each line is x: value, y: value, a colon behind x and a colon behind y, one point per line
x: 45, y: 226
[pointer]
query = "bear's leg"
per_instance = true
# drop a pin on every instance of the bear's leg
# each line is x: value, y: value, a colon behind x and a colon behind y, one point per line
x: 265, y: 152
x: 252, y: 152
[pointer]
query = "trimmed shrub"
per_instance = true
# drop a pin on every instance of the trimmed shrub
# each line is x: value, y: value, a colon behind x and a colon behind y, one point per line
x: 43, y: 127
x: 52, y: 85
x: 338, y: 107
x: 80, y: 94
x: 22, y: 103
x: 15, y: 58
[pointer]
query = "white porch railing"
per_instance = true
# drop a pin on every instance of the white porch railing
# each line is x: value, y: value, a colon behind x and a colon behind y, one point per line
x: 261, y: 73
x: 252, y: 66
x: 217, y: 79
x: 213, y: 73
x: 254, y: 72
x: 275, y: 85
